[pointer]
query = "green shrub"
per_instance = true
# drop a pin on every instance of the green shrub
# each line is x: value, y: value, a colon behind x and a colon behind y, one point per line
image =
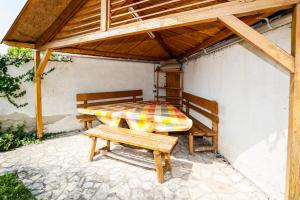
x: 11, y: 188
x: 14, y: 137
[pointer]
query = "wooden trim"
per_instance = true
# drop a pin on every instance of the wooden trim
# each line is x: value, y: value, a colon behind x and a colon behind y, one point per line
x: 259, y: 41
x: 19, y: 44
x: 293, y: 158
x: 201, y: 15
x: 43, y: 63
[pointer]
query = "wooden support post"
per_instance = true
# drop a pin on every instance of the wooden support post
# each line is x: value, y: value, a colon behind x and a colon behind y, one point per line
x: 293, y: 157
x: 39, y: 68
x: 259, y: 41
x: 38, y: 96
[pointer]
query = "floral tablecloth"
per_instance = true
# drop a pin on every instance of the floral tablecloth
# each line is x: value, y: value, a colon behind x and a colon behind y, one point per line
x: 147, y: 116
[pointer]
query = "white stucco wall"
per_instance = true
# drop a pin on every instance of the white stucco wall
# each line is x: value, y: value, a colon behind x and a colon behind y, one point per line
x: 83, y: 75
x: 253, y: 96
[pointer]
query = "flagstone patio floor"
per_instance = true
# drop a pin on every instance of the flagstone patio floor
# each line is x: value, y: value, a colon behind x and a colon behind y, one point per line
x: 59, y: 169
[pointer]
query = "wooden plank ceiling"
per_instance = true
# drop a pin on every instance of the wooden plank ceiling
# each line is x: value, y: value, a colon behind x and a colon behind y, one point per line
x: 82, y: 17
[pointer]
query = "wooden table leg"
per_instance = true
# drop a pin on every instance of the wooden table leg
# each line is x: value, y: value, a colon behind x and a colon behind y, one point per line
x: 168, y: 161
x: 94, y: 143
x: 159, y: 167
x: 108, y: 145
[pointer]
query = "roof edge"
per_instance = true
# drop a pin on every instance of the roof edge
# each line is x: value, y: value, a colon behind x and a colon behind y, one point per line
x: 12, y: 27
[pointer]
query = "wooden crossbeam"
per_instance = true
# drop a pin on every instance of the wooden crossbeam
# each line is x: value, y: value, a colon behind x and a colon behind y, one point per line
x: 293, y: 157
x: 259, y: 41
x: 200, y: 15
x: 43, y: 63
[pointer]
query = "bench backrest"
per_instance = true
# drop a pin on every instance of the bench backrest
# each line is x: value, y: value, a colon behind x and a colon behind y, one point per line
x: 205, y: 107
x: 105, y: 98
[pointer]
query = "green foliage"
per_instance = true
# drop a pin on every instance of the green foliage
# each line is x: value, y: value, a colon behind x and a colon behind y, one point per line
x: 10, y: 86
x: 14, y: 137
x: 11, y: 188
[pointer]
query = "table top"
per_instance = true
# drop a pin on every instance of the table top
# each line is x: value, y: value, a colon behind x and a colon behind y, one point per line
x: 147, y: 116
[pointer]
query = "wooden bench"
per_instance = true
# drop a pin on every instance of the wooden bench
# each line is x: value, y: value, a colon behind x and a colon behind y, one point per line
x: 85, y: 100
x: 161, y: 145
x: 207, y: 109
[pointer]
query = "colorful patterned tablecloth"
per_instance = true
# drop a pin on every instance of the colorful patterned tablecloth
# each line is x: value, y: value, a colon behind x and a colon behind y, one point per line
x: 147, y: 116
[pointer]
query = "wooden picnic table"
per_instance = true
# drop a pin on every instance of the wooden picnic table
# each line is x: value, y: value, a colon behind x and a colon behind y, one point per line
x: 148, y: 116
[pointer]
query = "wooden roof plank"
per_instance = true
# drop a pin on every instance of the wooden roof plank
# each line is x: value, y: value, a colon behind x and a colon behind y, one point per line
x: 201, y: 15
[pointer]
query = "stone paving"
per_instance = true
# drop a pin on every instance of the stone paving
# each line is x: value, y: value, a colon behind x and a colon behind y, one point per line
x: 60, y: 169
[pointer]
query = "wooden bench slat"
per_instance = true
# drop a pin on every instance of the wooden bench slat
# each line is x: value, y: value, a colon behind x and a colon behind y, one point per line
x: 83, y: 118
x: 150, y: 141
x: 208, y: 104
x: 108, y: 95
x: 92, y: 104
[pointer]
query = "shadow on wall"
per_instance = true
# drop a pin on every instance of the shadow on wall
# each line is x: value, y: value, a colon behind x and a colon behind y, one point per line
x: 19, y: 118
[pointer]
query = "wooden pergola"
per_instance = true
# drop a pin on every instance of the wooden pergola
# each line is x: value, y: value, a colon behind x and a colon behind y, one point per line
x: 158, y: 30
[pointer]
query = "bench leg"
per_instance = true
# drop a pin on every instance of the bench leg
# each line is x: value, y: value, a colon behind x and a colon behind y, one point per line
x: 85, y: 125
x: 159, y: 167
x: 168, y: 161
x: 90, y: 124
x: 191, y: 143
x: 94, y: 143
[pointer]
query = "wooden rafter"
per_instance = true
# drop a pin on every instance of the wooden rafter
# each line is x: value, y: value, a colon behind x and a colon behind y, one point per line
x: 201, y: 15
x: 156, y: 35
x: 221, y: 35
x: 293, y: 157
x: 59, y: 23
x: 163, y: 44
x: 105, y: 5
x: 259, y: 41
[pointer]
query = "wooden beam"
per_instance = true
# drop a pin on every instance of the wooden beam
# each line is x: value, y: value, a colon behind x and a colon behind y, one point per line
x: 19, y: 44
x: 163, y: 44
x: 259, y: 41
x: 58, y: 24
x: 105, y: 5
x: 43, y: 63
x: 200, y: 15
x: 38, y: 97
x: 108, y: 54
x: 293, y: 157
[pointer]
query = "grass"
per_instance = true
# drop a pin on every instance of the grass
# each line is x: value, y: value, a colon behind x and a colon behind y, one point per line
x: 11, y: 188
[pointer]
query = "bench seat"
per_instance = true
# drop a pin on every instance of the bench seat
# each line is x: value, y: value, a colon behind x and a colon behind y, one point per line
x: 162, y: 145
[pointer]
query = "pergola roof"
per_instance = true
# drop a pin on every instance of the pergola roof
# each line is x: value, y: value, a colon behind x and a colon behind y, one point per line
x: 44, y: 21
